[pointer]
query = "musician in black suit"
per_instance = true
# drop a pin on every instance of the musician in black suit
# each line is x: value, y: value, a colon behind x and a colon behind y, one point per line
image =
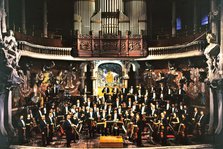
x: 115, y: 92
x: 201, y: 121
x: 21, y: 130
x: 163, y: 123
x: 106, y: 92
x: 116, y: 103
x: 91, y: 122
x: 44, y: 127
x: 39, y: 114
x: 50, y: 121
x: 140, y: 91
x: 124, y: 91
x: 140, y: 125
x: 65, y: 110
x: 109, y: 99
x: 48, y: 94
x: 69, y: 130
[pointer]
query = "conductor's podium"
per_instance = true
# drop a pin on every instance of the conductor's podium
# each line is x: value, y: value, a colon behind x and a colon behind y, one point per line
x: 111, y: 141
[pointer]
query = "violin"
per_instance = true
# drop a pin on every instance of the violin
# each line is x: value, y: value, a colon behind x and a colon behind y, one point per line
x: 182, y: 130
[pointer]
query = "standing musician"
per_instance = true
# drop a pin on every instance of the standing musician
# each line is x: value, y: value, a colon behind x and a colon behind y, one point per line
x: 106, y: 92
x: 115, y: 92
x: 162, y: 128
x: 69, y: 130
x: 138, y: 132
x: 91, y: 122
x: 28, y: 126
x: 21, y: 130
x: 44, y: 127
x: 124, y: 92
x: 51, y: 123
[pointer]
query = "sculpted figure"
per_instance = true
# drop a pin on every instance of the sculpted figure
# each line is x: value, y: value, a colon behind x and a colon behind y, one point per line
x: 212, y: 54
x: 213, y: 57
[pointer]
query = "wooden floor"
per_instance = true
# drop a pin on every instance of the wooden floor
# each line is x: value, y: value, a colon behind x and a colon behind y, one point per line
x: 86, y: 142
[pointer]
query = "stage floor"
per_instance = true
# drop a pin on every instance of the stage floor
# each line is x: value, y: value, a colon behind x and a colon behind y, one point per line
x: 94, y: 143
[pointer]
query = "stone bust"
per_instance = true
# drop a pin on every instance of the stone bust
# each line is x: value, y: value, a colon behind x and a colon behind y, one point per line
x: 212, y: 54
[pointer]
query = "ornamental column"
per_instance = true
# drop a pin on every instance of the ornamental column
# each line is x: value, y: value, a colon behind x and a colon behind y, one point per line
x: 7, y: 12
x: 195, y: 16
x: 23, y: 17
x: 221, y: 42
x: 173, y: 18
x: 45, y: 23
x: 214, y: 19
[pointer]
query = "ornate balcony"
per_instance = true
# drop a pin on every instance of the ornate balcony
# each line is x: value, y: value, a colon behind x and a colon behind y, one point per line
x: 110, y: 45
x: 154, y: 53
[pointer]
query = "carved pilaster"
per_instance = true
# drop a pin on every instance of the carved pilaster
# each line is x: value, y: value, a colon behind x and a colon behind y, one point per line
x: 173, y: 18
x: 45, y: 22
x: 23, y: 16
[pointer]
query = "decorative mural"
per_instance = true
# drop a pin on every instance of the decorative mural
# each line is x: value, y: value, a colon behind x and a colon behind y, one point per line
x: 109, y: 73
x: 63, y: 80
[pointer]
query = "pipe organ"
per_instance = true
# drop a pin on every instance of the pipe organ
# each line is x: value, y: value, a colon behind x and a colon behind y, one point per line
x: 110, y: 27
x: 110, y: 16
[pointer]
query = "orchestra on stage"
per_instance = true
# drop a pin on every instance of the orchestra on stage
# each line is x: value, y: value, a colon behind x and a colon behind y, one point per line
x: 154, y: 114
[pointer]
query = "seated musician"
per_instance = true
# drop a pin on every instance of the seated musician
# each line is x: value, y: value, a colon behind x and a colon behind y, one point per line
x: 78, y: 103
x: 72, y: 109
x: 97, y: 114
x: 44, y: 127
x: 109, y: 100
x: 174, y: 121
x: 21, y: 130
x: 120, y: 111
x: 104, y: 114
x: 145, y: 100
x: 182, y: 130
x: 89, y: 103
x: 122, y: 99
x: 115, y: 116
x: 131, y: 91
x: 110, y: 110
x: 136, y: 98
x: 94, y: 107
x: 134, y: 107
x: 116, y: 103
x: 152, y: 110
x: 140, y: 91
x: 65, y: 109
x: 69, y: 130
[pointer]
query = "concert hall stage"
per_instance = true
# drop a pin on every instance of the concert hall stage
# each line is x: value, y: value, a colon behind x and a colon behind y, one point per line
x: 203, y: 146
x: 86, y: 142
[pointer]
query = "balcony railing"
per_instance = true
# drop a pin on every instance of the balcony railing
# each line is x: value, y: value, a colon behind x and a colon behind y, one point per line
x: 44, y: 52
x: 192, y: 49
x: 195, y: 48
